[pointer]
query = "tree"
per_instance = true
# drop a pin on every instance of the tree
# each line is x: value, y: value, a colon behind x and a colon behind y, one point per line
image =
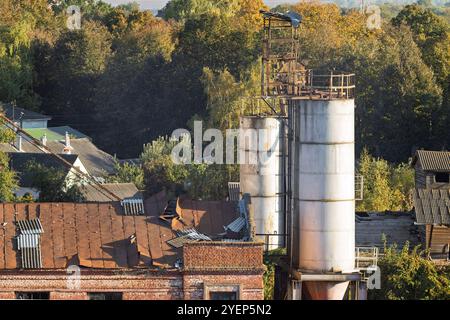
x: 407, y: 275
x: 8, y: 179
x: 53, y: 184
x: 128, y: 173
x: 386, y: 187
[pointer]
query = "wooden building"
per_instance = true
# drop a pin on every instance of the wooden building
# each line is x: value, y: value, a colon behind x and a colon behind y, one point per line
x: 432, y: 169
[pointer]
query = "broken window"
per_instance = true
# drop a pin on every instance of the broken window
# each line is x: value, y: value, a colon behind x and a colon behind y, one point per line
x: 33, y: 295
x: 442, y: 177
x: 105, y: 295
x: 217, y: 295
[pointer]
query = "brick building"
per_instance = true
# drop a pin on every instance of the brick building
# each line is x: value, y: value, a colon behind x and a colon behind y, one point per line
x: 97, y: 251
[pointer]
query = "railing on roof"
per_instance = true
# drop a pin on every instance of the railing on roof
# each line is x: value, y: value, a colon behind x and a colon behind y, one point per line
x: 307, y: 84
x: 268, y: 242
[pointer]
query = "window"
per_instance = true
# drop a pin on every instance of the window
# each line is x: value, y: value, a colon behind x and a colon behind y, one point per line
x: 442, y: 177
x: 221, y: 292
x: 105, y: 295
x: 214, y: 295
x: 33, y: 295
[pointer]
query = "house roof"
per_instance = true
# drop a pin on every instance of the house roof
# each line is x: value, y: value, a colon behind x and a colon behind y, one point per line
x: 94, y: 235
x: 15, y: 113
x: 207, y: 217
x: 438, y: 161
x: 18, y: 162
x: 122, y: 190
x: 432, y: 206
x: 96, y: 161
x: 55, y: 133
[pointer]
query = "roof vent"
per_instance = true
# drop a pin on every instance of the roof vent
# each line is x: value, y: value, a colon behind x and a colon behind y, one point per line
x: 29, y: 243
x: 133, y: 206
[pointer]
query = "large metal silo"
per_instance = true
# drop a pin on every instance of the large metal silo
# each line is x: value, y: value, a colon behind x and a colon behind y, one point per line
x: 322, y: 184
x: 262, y: 175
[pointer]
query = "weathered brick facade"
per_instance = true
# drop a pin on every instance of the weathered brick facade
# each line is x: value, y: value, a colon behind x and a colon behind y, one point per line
x: 209, y: 266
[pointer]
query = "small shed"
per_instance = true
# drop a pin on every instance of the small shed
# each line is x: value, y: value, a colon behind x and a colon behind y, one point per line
x: 432, y: 169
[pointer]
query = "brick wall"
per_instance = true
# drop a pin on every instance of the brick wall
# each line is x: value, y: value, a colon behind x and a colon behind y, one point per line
x: 211, y: 266
x: 223, y: 256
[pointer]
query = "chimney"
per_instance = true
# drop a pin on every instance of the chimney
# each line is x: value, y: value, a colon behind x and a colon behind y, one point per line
x: 18, y: 143
x: 44, y: 140
x: 67, y: 148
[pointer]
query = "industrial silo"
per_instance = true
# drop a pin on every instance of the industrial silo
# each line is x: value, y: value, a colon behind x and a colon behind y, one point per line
x: 321, y: 148
x: 262, y: 175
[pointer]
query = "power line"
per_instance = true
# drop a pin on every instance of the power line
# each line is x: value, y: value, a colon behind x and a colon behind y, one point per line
x: 44, y: 148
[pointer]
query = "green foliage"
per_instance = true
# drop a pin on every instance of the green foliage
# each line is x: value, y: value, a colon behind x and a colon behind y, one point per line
x: 272, y: 259
x: 199, y: 181
x: 54, y: 185
x: 407, y: 275
x: 8, y: 179
x: 128, y: 173
x: 386, y: 187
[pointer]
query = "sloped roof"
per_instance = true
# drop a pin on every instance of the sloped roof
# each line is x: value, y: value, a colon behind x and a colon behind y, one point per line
x: 438, y: 161
x: 94, y: 235
x: 16, y: 112
x: 207, y: 217
x: 432, y: 206
x: 96, y: 161
x: 122, y: 190
x: 19, y: 160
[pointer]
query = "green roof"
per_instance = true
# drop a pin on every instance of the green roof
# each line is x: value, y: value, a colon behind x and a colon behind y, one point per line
x: 55, y: 133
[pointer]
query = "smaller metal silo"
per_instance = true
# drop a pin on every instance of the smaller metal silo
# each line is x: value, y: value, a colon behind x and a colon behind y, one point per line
x: 262, y: 175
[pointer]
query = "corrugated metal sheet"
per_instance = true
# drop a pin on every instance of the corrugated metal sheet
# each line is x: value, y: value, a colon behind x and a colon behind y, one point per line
x: 32, y: 226
x: 438, y: 161
x: 30, y: 251
x: 237, y: 225
x: 187, y: 235
x: 133, y: 207
x: 432, y: 206
x: 234, y: 191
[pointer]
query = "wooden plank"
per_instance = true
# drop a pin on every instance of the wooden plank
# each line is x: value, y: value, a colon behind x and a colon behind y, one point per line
x: 70, y: 234
x: 45, y: 215
x: 2, y: 238
x: 95, y: 237
x: 106, y: 235
x: 58, y: 235
x: 83, y: 235
x: 11, y: 258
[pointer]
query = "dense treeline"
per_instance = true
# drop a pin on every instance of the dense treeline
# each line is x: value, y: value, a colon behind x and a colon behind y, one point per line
x: 127, y: 77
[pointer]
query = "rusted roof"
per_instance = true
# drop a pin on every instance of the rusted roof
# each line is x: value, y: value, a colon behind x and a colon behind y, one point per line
x: 438, y: 161
x: 432, y: 206
x: 95, y: 235
x: 207, y: 217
